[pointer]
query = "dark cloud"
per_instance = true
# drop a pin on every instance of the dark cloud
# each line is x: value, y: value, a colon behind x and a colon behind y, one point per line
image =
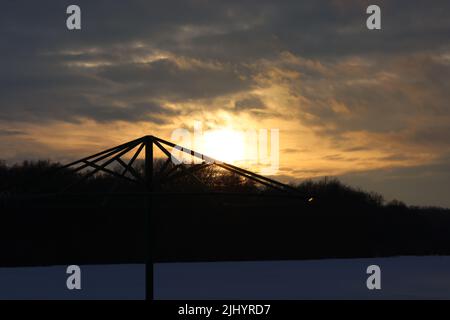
x: 436, y: 135
x: 5, y: 132
x: 165, y: 79
x: 231, y: 33
x: 290, y: 150
x: 409, y: 184
x: 249, y: 103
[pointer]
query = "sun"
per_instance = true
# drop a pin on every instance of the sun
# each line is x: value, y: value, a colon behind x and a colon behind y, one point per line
x: 226, y: 145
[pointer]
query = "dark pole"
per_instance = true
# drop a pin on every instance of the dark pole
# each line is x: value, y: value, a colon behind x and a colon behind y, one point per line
x: 149, y: 163
x: 148, y: 168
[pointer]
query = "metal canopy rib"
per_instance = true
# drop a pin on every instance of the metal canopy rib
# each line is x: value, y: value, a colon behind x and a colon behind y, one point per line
x: 167, y: 173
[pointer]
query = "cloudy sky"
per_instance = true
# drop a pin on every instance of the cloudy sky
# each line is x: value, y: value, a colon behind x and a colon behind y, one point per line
x: 371, y: 107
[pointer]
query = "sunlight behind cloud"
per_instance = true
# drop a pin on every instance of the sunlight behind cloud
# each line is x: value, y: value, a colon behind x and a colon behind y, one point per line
x: 225, y: 145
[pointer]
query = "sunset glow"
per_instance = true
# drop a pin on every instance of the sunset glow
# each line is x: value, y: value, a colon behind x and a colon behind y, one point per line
x: 224, y: 145
x: 348, y: 102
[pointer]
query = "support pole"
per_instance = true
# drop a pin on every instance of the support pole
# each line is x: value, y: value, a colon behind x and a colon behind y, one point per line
x: 149, y: 162
x: 150, y: 216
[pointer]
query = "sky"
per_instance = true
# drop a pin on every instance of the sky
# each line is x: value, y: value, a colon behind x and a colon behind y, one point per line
x: 368, y: 106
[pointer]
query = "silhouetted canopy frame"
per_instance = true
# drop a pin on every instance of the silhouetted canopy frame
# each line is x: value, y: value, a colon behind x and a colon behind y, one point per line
x: 149, y: 180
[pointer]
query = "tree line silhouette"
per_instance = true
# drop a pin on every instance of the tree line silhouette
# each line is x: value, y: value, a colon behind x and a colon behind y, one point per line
x: 224, y: 217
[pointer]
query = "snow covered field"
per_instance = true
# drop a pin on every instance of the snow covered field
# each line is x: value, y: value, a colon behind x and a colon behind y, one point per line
x: 401, y: 278
x: 97, y: 282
